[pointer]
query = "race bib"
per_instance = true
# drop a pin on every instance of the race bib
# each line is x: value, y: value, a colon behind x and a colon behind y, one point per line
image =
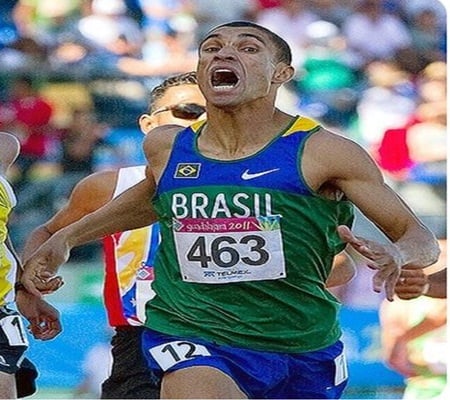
x: 169, y: 354
x: 223, y: 250
x: 14, y: 330
x: 341, y: 369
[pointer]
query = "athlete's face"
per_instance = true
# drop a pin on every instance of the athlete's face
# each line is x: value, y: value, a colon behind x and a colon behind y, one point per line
x: 237, y: 65
x: 180, y: 105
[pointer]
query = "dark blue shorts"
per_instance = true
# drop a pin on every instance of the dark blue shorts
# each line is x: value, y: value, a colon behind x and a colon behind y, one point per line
x: 318, y: 374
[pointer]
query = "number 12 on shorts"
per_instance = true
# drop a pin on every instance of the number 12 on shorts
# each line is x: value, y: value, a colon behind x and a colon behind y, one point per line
x: 169, y: 354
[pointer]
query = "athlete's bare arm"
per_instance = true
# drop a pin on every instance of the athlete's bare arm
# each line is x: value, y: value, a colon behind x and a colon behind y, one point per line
x: 343, y: 270
x: 332, y: 160
x: 130, y: 210
x: 438, y: 284
x: 88, y: 195
x: 414, y: 283
x: 158, y: 146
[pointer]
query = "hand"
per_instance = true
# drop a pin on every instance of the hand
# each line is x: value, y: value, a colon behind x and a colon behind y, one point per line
x: 43, y: 317
x: 385, y: 259
x: 411, y: 284
x: 49, y: 285
x: 39, y: 271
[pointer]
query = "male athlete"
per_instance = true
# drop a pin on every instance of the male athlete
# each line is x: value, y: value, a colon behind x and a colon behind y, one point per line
x: 253, y: 205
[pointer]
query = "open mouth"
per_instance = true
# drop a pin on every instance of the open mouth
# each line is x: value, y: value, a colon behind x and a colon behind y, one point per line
x: 224, y: 79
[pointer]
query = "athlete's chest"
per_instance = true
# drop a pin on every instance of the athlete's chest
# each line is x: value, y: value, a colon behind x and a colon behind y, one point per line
x: 271, y: 169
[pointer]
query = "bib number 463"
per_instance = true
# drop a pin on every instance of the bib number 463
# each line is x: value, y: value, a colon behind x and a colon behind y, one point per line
x: 222, y: 251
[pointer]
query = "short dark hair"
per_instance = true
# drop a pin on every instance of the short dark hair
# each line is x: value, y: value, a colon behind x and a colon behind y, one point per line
x: 284, y: 53
x: 189, y: 78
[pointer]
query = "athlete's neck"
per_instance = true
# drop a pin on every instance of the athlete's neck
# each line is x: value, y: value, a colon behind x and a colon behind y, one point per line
x: 229, y: 136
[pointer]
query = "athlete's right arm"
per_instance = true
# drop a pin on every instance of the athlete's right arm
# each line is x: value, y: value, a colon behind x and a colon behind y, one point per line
x: 88, y: 195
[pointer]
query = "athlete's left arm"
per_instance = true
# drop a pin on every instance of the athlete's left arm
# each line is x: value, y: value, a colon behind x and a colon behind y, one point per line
x: 334, y: 160
x: 343, y: 270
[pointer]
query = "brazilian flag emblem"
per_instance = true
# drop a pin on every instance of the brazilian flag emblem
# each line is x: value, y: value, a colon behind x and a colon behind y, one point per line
x: 187, y: 170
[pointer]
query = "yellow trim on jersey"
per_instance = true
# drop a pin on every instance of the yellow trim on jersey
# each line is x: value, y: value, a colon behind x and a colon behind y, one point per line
x: 302, y: 124
x: 197, y: 125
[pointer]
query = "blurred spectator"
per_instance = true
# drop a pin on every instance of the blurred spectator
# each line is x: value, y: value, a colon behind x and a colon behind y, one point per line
x: 79, y: 144
x: 27, y: 115
x: 427, y: 144
x: 158, y: 15
x: 413, y: 156
x: 169, y: 53
x: 290, y: 21
x: 22, y: 56
x: 414, y: 344
x: 111, y: 30
x: 428, y: 36
x: 373, y: 34
x: 38, y: 19
x: 327, y: 85
x: 265, y: 4
x: 66, y: 97
x: 209, y: 13
x: 91, y: 45
x: 388, y: 101
x: 16, y: 51
x: 54, y: 26
x: 334, y: 11
x: 8, y: 29
x: 40, y: 199
x: 411, y: 7
x: 393, y: 154
x: 414, y: 340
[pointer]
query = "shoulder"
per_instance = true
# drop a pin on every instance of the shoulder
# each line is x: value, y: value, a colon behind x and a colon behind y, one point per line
x: 330, y: 156
x: 323, y: 143
x: 161, y: 138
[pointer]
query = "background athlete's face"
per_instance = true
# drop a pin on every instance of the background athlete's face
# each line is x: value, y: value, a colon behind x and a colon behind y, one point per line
x: 177, y: 106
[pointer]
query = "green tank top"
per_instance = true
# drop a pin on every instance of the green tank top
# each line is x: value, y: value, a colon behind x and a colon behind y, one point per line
x: 246, y: 248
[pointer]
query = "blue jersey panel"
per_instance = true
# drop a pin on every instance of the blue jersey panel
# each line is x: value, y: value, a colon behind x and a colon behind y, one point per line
x: 274, y: 167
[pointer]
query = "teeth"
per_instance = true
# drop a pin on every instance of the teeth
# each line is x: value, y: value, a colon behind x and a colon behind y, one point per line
x: 224, y: 79
x: 224, y: 87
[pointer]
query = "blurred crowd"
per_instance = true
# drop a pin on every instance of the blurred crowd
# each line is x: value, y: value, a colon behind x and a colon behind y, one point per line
x: 75, y: 75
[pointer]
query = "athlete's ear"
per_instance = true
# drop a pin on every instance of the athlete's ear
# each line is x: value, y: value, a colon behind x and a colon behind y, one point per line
x: 283, y: 73
x: 146, y: 123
